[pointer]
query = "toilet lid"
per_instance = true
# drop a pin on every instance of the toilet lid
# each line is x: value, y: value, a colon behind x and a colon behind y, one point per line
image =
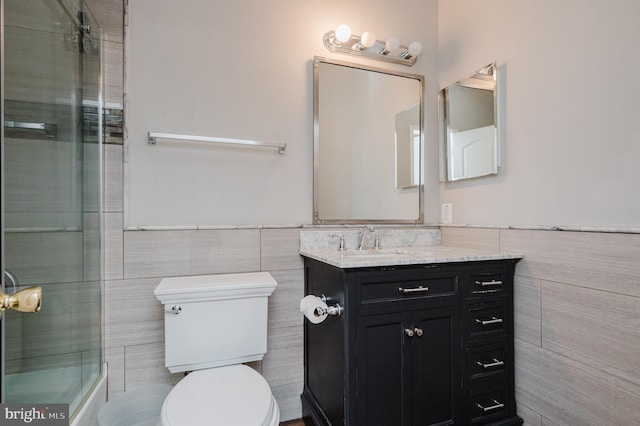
x: 231, y: 395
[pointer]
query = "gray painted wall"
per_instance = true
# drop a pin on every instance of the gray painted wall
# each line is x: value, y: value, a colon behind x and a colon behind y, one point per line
x: 570, y: 149
x: 242, y: 70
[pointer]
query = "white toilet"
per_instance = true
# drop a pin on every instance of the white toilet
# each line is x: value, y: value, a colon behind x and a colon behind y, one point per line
x: 212, y: 325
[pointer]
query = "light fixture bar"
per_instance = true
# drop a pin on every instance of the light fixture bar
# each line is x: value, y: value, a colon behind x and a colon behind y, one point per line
x: 378, y: 51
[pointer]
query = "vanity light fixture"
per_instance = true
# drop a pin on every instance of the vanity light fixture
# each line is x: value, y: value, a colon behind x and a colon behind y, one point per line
x: 341, y: 40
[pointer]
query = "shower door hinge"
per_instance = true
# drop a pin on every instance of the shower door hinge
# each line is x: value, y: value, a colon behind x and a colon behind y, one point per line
x: 83, y: 19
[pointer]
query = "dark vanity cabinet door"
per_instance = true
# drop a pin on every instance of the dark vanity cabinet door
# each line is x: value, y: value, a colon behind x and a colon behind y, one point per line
x: 383, y: 379
x: 415, y: 345
x: 436, y: 371
x: 407, y: 368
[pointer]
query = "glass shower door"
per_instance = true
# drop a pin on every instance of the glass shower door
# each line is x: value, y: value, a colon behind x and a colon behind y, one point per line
x: 51, y: 233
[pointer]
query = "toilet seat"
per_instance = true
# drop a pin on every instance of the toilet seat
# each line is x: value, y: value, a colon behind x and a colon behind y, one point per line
x: 230, y: 395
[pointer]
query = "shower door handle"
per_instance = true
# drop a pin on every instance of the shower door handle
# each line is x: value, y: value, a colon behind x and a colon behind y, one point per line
x: 27, y: 300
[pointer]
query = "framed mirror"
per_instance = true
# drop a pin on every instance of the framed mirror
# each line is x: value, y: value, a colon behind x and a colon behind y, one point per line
x: 367, y: 144
x: 468, y: 126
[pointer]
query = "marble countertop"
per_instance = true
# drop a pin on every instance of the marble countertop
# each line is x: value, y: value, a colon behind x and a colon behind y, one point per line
x: 413, y: 255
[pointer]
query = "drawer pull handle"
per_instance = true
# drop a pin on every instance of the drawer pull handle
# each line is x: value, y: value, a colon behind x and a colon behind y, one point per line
x: 489, y: 283
x: 495, y: 363
x: 419, y: 289
x: 408, y: 332
x: 497, y: 405
x: 493, y: 320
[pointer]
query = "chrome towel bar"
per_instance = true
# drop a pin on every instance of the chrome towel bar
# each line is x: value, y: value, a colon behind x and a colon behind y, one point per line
x: 50, y: 130
x: 154, y: 136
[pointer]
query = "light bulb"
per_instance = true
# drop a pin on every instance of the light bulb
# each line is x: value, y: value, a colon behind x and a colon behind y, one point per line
x: 343, y: 33
x: 368, y: 39
x: 392, y: 44
x: 415, y: 48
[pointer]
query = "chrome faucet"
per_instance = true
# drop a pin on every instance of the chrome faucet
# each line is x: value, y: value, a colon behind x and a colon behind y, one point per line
x: 364, y: 234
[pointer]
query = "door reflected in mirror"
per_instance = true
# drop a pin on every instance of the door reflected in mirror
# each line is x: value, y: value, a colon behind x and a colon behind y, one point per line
x: 367, y: 144
x: 468, y: 126
x: 408, y: 147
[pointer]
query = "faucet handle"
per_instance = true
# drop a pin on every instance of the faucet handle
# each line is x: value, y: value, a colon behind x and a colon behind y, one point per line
x: 377, y: 245
x: 342, y: 245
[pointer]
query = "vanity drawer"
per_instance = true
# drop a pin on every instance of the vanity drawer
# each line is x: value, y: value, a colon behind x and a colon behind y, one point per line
x: 485, y: 320
x: 487, y: 283
x: 487, y: 405
x: 487, y: 365
x: 409, y: 287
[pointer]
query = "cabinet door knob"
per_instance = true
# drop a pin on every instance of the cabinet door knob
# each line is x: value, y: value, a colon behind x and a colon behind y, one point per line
x: 408, y: 332
x: 418, y: 331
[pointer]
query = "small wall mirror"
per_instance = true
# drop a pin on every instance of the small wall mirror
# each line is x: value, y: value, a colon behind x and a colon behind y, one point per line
x: 367, y: 144
x: 468, y: 126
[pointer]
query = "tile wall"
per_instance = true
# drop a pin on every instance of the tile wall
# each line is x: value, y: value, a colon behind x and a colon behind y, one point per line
x: 577, y: 323
x: 134, y: 338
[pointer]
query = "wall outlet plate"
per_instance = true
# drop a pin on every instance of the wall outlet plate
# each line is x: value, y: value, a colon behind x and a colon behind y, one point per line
x: 446, y: 213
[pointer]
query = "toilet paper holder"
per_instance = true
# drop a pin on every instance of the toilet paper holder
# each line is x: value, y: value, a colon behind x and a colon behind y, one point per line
x: 334, y: 310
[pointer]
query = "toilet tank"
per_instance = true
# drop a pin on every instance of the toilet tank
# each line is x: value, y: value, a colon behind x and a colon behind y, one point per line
x: 214, y: 320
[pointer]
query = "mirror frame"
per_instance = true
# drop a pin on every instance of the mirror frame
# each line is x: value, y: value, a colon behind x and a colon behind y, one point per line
x: 317, y: 220
x: 443, y: 124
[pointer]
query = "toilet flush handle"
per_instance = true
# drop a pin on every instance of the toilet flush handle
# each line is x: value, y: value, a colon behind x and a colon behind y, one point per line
x: 175, y: 309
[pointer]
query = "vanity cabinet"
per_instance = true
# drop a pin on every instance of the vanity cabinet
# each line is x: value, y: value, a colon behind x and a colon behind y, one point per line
x: 427, y: 344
